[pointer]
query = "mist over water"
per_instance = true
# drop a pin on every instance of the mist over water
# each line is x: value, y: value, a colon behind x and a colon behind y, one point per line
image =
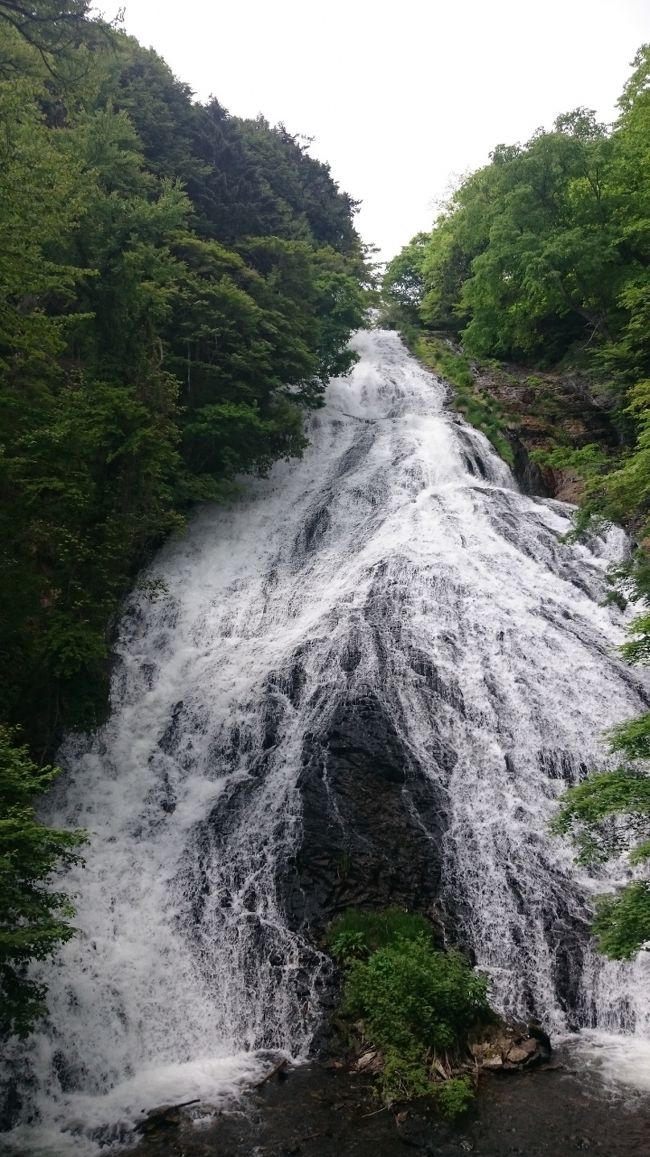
x: 396, y: 555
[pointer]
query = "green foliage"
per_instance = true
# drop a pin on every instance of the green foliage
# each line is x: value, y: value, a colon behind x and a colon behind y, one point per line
x: 34, y: 919
x: 176, y: 286
x: 588, y: 809
x: 408, y: 995
x: 405, y: 1074
x: 347, y: 946
x: 609, y: 815
x: 50, y: 26
x: 453, y: 1097
x: 525, y: 257
x: 403, y: 283
x: 638, y: 648
x: 368, y: 931
x: 622, y: 923
x: 415, y: 1001
x: 543, y: 255
x: 632, y: 738
x: 454, y: 367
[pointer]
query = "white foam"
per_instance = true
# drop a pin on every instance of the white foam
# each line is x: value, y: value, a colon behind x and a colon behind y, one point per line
x: 620, y: 1062
x: 83, y: 1124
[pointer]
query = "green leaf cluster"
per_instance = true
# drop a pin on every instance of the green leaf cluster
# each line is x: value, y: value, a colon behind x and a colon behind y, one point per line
x: 366, y: 931
x: 590, y: 808
x: 411, y: 995
x: 622, y: 922
x: 526, y: 259
x: 608, y: 815
x: 453, y: 1097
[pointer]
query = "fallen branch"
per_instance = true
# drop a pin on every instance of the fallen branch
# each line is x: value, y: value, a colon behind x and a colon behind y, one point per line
x: 164, y: 1116
x: 170, y: 1108
x: 276, y: 1069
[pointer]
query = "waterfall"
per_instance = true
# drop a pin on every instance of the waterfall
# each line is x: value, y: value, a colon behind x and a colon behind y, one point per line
x: 386, y: 624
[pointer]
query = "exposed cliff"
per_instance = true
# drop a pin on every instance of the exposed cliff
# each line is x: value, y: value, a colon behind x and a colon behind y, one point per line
x: 543, y: 410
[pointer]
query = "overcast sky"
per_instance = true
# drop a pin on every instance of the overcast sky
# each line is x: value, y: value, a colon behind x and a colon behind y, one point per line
x: 403, y: 96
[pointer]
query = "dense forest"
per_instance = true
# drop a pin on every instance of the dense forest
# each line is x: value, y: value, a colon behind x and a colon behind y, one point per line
x: 542, y: 258
x: 176, y: 287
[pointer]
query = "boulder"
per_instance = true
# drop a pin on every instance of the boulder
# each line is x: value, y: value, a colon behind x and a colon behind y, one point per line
x: 519, y: 1053
x: 509, y: 1047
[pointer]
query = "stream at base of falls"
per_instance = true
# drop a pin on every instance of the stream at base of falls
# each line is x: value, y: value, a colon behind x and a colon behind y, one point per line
x: 366, y: 682
x: 318, y: 1112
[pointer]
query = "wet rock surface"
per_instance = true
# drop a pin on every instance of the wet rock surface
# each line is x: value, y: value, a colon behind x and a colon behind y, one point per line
x: 319, y: 1112
x: 372, y: 822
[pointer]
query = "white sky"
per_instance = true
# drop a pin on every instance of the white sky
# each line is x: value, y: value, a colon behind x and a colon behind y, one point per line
x: 401, y: 96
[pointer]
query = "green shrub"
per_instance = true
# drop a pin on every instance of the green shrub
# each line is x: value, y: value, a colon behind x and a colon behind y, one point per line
x: 416, y: 1002
x: 409, y: 994
x: 622, y: 922
x: 455, y: 368
x: 405, y: 1075
x: 347, y: 946
x: 454, y: 1096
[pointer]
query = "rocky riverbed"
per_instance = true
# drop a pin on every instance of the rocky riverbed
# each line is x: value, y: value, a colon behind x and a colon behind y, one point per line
x: 314, y: 1111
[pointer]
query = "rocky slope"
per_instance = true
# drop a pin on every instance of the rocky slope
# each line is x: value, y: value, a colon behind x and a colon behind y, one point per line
x: 543, y: 410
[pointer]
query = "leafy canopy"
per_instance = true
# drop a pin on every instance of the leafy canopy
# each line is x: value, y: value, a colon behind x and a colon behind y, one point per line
x: 176, y: 287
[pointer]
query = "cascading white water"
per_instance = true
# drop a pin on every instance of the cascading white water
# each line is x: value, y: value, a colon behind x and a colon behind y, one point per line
x: 402, y: 531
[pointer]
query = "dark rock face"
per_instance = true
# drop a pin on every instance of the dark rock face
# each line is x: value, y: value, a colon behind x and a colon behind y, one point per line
x: 372, y: 821
x: 529, y: 476
x: 570, y: 936
x: 373, y: 825
x: 12, y: 1101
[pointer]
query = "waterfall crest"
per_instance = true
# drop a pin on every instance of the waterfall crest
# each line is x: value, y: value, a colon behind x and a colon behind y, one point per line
x: 392, y: 589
